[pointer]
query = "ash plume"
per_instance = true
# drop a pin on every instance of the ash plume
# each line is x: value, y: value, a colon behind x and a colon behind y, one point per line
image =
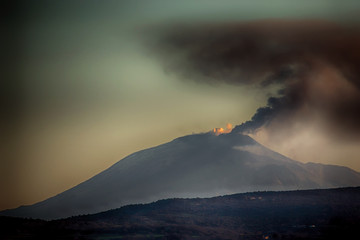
x: 315, y: 63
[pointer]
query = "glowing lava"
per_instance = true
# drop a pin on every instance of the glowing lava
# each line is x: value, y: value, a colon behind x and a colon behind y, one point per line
x: 221, y: 130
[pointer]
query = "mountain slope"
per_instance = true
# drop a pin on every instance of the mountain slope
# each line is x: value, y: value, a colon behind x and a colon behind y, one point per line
x: 200, y: 165
x: 305, y: 214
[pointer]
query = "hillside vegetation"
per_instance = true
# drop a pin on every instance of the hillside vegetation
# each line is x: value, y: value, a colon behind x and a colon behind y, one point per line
x: 305, y: 214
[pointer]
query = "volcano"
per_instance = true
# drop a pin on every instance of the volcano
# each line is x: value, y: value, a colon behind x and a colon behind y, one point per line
x: 198, y: 165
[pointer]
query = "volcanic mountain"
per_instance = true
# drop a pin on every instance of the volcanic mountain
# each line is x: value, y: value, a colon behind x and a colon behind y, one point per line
x: 198, y: 165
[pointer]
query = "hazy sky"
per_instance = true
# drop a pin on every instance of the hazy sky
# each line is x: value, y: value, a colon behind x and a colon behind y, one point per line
x: 82, y: 88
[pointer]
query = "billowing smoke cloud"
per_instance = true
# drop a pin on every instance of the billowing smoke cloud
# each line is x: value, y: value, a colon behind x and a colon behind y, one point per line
x: 315, y: 64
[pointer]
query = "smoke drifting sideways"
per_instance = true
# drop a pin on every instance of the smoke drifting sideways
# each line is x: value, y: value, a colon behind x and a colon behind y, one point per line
x: 314, y: 63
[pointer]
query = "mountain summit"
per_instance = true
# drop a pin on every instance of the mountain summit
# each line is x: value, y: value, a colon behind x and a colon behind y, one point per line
x: 199, y: 165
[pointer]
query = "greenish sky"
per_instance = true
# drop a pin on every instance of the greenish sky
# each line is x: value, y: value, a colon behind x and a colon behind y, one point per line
x: 81, y: 91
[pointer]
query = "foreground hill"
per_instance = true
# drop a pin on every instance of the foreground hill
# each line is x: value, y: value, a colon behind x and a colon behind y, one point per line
x: 306, y: 214
x: 200, y: 165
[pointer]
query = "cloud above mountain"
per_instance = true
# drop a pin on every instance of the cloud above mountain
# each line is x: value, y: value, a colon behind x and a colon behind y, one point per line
x: 313, y: 64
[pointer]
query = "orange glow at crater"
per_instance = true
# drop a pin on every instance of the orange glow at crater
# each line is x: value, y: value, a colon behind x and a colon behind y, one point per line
x: 218, y: 131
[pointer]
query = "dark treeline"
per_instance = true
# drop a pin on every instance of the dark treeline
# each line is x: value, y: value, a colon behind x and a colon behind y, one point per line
x: 306, y: 214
